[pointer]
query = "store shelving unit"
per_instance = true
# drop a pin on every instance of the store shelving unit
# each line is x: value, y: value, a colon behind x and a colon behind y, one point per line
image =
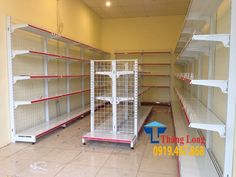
x: 120, y: 120
x: 48, y: 80
x: 193, y: 46
x: 189, y: 78
x: 199, y: 116
x: 191, y: 166
x: 160, y: 70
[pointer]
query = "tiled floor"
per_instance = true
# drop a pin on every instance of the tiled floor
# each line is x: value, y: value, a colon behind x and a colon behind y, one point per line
x: 62, y: 154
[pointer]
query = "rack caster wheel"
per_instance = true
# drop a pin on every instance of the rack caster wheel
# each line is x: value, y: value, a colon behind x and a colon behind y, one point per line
x: 84, y: 143
x: 33, y: 143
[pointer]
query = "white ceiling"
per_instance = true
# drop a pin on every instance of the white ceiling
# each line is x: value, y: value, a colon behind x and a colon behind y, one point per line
x: 138, y: 8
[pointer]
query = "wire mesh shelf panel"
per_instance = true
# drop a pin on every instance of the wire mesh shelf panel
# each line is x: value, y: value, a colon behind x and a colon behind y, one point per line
x: 113, y: 81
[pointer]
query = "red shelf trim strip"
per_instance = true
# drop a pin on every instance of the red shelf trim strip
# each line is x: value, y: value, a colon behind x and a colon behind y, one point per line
x: 59, y: 96
x: 57, y: 56
x: 53, y: 76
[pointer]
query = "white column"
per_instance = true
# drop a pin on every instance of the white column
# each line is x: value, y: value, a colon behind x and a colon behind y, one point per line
x: 45, y: 68
x: 114, y: 98
x: 230, y: 123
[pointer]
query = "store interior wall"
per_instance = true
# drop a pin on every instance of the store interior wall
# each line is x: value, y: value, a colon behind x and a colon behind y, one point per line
x: 146, y: 33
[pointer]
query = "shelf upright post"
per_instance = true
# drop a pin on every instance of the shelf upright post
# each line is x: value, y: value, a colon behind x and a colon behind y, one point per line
x: 114, y: 98
x: 10, y: 80
x: 45, y: 68
x: 92, y: 95
x: 126, y: 91
x: 67, y: 80
x: 211, y: 73
x: 136, y: 98
x: 82, y: 78
x: 231, y: 103
x: 171, y: 75
x: 199, y: 76
x: 192, y: 71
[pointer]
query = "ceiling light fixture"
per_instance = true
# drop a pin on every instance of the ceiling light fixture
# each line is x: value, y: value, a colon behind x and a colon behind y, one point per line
x: 108, y: 3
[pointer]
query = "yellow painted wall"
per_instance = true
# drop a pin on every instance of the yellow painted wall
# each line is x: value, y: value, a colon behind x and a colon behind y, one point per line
x: 148, y: 33
x: 78, y: 22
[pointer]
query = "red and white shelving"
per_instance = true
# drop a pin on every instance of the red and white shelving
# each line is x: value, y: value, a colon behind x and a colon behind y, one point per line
x: 191, y: 166
x: 154, y: 70
x: 189, y: 78
x: 51, y: 35
x: 41, y: 85
x: 38, y: 100
x: 43, y: 54
x: 199, y: 116
x: 32, y: 134
x: 27, y: 77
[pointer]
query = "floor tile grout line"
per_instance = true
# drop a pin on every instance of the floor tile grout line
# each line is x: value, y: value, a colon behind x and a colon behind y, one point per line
x: 103, y: 165
x: 141, y: 161
x: 66, y: 164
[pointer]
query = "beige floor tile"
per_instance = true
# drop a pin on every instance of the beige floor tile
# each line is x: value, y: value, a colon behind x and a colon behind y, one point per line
x: 60, y: 156
x: 12, y: 166
x: 120, y: 161
x: 41, y: 169
x: 32, y: 153
x: 126, y: 150
x: 12, y: 149
x: 91, y: 158
x: 147, y: 174
x: 75, y: 170
x: 161, y: 165
x: 102, y: 147
x: 114, y: 172
x: 3, y: 175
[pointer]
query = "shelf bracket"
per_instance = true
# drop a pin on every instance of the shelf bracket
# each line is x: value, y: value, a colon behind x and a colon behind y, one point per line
x: 222, y: 84
x: 224, y: 38
x: 17, y: 26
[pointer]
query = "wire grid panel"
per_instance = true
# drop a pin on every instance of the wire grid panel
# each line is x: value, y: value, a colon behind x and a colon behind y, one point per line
x: 113, y: 82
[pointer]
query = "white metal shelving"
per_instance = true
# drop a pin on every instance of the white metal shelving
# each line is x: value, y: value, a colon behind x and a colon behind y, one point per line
x: 188, y: 78
x: 121, y: 119
x: 193, y: 46
x: 28, y: 77
x: 155, y: 75
x: 59, y: 96
x: 191, y: 166
x: 198, y: 115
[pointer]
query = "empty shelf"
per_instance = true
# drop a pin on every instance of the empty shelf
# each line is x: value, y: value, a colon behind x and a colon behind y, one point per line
x: 41, y: 54
x: 120, y: 137
x: 27, y: 77
x: 198, y: 115
x: 43, y: 32
x: 222, y: 84
x: 156, y: 86
x: 156, y: 75
x: 118, y: 73
x: 191, y: 166
x: 31, y: 134
x: 26, y: 102
x: 143, y: 90
x: 154, y: 64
